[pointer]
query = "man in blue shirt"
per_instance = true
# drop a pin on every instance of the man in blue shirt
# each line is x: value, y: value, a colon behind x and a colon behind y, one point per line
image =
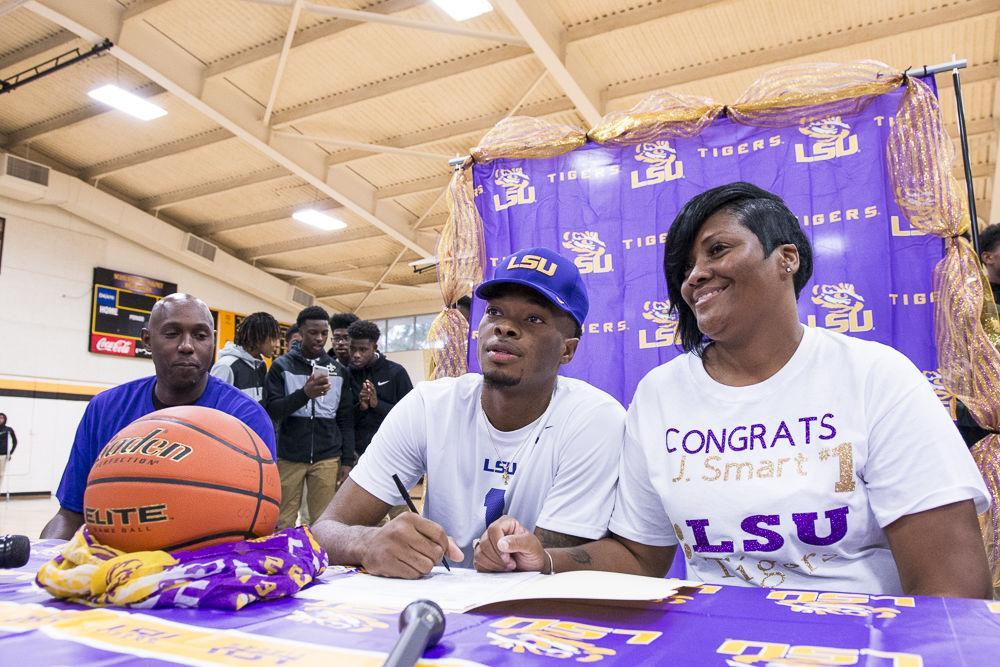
x: 181, y: 338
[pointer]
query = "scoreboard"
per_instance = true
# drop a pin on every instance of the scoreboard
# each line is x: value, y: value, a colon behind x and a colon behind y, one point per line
x: 120, y: 310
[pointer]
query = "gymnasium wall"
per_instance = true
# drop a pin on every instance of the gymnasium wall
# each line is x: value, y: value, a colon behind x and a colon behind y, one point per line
x: 46, y: 372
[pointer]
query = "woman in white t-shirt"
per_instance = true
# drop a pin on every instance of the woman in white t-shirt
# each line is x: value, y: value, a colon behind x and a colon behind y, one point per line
x: 775, y: 454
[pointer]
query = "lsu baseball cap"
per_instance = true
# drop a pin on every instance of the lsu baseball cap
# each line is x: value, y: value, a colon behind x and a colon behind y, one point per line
x: 555, y: 277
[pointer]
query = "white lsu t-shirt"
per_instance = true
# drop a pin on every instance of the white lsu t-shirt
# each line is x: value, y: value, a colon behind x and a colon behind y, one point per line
x: 563, y: 478
x: 788, y: 483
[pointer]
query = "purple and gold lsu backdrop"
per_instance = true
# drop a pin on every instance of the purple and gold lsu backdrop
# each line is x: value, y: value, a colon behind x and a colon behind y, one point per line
x: 608, y: 208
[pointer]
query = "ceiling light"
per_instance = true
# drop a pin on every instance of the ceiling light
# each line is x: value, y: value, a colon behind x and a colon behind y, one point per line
x: 125, y: 101
x: 311, y: 216
x: 460, y: 10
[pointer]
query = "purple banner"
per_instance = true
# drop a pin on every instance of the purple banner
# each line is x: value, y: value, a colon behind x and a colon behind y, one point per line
x: 609, y: 208
x: 708, y: 625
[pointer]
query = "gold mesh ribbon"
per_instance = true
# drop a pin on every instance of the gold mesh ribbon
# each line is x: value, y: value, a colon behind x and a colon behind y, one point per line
x: 803, y: 93
x: 660, y: 115
x: 920, y: 155
x: 527, y: 137
x: 460, y: 255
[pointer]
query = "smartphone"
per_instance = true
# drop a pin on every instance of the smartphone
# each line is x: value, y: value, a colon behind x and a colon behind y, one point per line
x: 321, y: 371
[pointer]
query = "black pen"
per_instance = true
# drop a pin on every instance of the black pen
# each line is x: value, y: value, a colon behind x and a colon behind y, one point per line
x: 413, y: 508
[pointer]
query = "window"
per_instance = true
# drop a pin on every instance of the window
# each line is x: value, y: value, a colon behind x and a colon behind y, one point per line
x: 400, y: 334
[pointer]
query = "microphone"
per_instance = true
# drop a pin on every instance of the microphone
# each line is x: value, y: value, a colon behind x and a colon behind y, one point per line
x: 15, y: 551
x: 421, y: 626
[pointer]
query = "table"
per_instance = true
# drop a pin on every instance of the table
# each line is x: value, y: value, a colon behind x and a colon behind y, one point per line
x: 710, y: 625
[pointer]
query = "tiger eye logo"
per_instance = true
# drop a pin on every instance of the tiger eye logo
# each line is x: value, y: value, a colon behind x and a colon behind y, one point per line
x: 517, y: 188
x: 831, y: 138
x: 666, y: 321
x: 592, y: 253
x: 663, y: 162
x: 847, y: 308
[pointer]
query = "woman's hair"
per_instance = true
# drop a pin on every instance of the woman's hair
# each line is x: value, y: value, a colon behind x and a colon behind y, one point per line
x: 256, y: 329
x: 763, y: 213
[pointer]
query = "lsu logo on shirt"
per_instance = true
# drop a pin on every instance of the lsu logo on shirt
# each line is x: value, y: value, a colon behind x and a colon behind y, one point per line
x: 846, y: 306
x: 533, y: 262
x: 592, y: 254
x: 659, y: 313
x: 517, y: 188
x: 832, y: 138
x: 663, y: 164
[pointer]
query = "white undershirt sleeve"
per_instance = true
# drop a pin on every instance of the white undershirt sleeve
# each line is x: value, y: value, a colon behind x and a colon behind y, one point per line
x: 639, y: 514
x: 916, y: 458
x: 582, y: 494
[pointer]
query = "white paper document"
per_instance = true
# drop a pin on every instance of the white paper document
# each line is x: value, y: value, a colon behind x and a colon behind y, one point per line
x: 463, y: 589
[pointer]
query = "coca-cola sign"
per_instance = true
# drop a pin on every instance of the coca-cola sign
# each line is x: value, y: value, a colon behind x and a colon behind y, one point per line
x: 111, y: 345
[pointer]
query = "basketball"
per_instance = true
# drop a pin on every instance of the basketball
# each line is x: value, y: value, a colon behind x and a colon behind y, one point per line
x: 182, y: 478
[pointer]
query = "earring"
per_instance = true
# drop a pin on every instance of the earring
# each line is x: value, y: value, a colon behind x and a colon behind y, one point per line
x: 788, y: 269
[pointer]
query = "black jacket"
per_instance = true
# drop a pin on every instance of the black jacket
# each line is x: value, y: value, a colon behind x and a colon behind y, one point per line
x: 391, y: 382
x: 4, y: 432
x: 310, y: 430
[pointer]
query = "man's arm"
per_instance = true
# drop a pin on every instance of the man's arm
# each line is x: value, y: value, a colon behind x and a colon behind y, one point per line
x: 939, y: 552
x: 13, y: 441
x: 407, y: 547
x: 277, y: 404
x: 513, y: 547
x: 63, y: 525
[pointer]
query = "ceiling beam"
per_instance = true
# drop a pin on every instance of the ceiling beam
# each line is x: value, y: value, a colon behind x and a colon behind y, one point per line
x: 401, y: 82
x: 399, y: 22
x: 158, y: 58
x: 425, y: 184
x: 931, y: 18
x: 281, y: 214
x: 339, y: 278
x: 313, y: 33
x: 137, y: 9
x: 308, y: 243
x: 547, y: 38
x: 479, y: 125
x: 638, y: 13
x: 74, y: 117
x: 156, y: 153
x: 279, y: 71
x: 21, y: 59
x: 208, y: 189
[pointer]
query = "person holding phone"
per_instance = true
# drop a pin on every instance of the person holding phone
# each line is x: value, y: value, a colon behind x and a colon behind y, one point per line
x: 308, y: 396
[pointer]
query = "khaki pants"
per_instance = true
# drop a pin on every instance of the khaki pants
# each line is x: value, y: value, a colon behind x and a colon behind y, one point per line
x: 3, y: 464
x: 321, y: 485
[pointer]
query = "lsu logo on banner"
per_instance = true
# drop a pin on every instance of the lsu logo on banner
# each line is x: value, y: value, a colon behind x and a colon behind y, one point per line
x: 842, y: 604
x: 533, y: 262
x: 517, y: 188
x: 847, y: 313
x: 591, y: 252
x: 663, y: 164
x: 659, y: 313
x: 897, y: 227
x: 772, y: 653
x: 832, y: 138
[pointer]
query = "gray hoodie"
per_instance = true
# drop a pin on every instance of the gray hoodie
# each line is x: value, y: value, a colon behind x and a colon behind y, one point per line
x: 239, y: 368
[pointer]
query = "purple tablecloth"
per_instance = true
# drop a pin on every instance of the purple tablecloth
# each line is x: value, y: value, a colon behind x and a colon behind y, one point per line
x: 707, y: 626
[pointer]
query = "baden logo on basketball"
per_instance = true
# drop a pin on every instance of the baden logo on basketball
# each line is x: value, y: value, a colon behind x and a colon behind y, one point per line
x: 659, y: 313
x: 592, y: 254
x: 832, y: 138
x: 663, y: 164
x: 847, y: 308
x: 517, y: 188
x: 147, y: 445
